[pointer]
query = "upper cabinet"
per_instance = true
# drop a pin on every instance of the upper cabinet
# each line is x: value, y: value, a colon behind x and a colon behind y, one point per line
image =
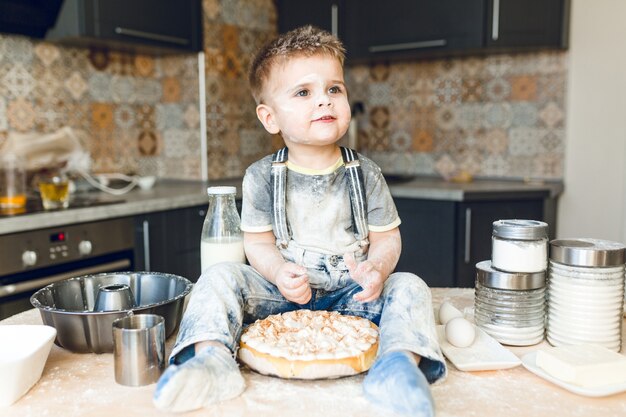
x: 324, y: 14
x: 527, y: 24
x: 151, y: 26
x: 396, y: 29
x: 403, y: 28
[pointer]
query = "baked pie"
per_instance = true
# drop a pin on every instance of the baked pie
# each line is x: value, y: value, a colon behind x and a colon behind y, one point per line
x: 308, y: 344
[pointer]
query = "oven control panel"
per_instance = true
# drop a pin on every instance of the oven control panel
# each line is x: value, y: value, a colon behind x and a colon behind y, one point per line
x: 47, y: 247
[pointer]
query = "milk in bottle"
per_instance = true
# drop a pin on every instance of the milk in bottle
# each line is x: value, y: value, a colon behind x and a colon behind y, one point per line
x: 221, y: 239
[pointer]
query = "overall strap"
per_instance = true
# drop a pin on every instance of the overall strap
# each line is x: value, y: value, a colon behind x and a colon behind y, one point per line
x: 358, y: 202
x: 278, y: 182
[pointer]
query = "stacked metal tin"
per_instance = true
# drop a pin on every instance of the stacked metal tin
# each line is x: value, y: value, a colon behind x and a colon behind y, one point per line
x: 586, y: 292
x: 509, y: 302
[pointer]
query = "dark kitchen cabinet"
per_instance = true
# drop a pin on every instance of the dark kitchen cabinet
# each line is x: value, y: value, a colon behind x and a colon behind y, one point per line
x: 428, y: 240
x: 169, y: 241
x: 443, y: 240
x: 152, y: 26
x: 408, y: 28
x: 516, y: 24
x: 403, y: 29
x: 325, y: 14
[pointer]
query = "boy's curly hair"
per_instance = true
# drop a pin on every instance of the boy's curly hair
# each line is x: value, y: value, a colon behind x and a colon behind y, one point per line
x: 304, y: 41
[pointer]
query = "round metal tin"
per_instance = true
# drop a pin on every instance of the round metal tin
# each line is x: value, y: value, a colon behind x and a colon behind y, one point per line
x: 587, y: 252
x: 494, y: 278
x: 520, y: 229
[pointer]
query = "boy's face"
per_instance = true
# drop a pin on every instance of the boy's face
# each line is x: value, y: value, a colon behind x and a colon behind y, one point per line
x: 306, y: 101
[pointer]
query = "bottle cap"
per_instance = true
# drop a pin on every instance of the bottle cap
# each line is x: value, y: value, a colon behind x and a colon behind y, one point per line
x: 221, y: 190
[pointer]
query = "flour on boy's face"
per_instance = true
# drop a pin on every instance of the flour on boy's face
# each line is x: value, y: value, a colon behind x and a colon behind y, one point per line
x: 306, y: 101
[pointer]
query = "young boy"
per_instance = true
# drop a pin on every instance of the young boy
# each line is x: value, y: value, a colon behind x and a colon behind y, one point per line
x: 320, y: 232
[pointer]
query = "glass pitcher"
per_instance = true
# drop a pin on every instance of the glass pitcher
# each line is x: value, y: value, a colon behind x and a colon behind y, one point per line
x: 221, y: 238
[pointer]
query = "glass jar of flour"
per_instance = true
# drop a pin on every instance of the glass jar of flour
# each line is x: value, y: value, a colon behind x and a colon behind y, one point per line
x: 221, y: 240
x: 519, y: 245
x: 510, y: 306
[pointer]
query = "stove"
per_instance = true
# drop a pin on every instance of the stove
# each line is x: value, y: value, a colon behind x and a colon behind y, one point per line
x: 34, y: 205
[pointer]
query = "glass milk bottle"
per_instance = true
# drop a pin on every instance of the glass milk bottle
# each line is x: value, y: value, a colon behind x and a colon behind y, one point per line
x: 221, y: 238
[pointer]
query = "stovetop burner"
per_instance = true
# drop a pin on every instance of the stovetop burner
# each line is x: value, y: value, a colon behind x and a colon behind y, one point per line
x: 34, y: 205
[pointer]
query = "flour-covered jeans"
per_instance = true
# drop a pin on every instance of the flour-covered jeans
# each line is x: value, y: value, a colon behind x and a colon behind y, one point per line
x: 229, y: 296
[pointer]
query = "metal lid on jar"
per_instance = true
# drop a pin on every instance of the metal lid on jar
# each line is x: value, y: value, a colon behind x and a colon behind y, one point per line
x: 488, y: 276
x: 520, y: 229
x: 221, y: 190
x: 587, y: 252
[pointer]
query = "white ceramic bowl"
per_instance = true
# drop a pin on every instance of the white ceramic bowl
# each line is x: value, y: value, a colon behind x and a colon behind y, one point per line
x: 597, y: 311
x: 146, y: 183
x: 567, y: 336
x: 556, y: 340
x: 601, y: 323
x: 24, y: 350
x: 615, y: 301
x: 588, y: 289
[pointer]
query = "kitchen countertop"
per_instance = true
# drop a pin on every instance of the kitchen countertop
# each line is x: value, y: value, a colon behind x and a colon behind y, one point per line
x: 83, y: 385
x: 438, y: 189
x: 174, y: 194
x: 165, y: 195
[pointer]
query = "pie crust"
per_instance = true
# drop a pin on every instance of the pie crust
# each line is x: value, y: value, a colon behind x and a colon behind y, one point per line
x: 305, y: 344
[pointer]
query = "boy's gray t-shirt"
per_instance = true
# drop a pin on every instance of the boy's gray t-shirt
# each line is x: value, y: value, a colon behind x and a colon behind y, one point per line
x: 318, y: 204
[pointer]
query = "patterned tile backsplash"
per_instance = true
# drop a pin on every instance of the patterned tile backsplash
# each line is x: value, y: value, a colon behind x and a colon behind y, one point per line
x: 496, y: 116
x: 134, y: 113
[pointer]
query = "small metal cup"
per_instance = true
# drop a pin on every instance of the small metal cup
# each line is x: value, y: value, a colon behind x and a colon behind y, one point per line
x: 115, y: 297
x: 139, y: 349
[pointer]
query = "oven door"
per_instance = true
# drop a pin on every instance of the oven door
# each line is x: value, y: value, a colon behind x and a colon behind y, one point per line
x: 16, y: 290
x: 33, y: 259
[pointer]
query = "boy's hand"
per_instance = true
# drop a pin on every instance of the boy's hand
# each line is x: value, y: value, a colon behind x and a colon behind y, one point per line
x: 293, y: 283
x: 367, y: 276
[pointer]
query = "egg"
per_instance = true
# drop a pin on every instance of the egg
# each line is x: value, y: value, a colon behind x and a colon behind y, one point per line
x: 447, y: 312
x: 460, y: 332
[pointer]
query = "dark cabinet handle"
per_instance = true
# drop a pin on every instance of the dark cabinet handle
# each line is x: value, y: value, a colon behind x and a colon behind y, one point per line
x: 468, y: 234
x: 201, y: 213
x: 495, y: 21
x: 146, y: 244
x: 334, y: 20
x: 151, y: 36
x: 408, y: 46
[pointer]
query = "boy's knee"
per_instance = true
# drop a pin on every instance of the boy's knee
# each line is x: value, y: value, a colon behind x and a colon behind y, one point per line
x: 405, y: 281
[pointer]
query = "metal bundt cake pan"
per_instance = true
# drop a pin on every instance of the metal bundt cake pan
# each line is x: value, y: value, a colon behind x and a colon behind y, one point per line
x: 74, y: 308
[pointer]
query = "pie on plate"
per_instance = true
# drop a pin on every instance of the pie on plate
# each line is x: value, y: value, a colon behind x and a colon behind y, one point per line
x: 306, y: 344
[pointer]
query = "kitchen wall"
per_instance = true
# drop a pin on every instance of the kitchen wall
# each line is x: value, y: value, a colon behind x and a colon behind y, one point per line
x: 141, y: 114
x: 594, y: 201
x: 495, y: 116
x: 233, y: 31
x: 134, y: 113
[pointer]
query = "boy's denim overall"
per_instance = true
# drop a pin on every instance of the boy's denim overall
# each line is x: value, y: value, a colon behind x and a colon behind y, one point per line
x: 229, y: 296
